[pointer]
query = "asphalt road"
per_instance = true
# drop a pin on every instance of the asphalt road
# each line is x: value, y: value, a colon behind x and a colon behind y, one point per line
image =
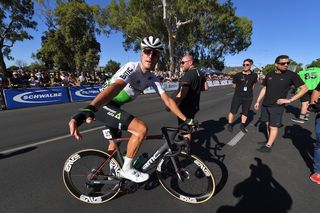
x: 35, y: 143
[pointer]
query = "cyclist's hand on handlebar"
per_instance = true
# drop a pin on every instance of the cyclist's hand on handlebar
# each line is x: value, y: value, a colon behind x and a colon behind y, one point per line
x: 190, y: 121
x: 189, y: 125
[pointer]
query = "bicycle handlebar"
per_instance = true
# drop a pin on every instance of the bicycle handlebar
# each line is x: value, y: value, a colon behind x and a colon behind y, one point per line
x: 178, y: 138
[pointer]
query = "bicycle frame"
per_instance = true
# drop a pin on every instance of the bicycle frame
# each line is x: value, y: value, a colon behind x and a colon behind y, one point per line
x: 151, y: 160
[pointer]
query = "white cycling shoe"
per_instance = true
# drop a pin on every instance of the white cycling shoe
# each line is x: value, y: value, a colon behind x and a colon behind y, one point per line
x: 134, y: 175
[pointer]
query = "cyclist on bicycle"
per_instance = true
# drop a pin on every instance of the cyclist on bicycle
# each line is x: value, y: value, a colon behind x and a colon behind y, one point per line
x: 127, y: 83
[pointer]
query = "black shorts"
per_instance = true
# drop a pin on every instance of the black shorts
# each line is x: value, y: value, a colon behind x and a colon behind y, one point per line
x: 272, y: 115
x: 188, y: 112
x: 306, y: 97
x: 237, y: 102
x: 114, y: 118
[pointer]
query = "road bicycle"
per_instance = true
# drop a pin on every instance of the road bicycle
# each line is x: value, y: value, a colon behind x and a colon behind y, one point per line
x: 92, y: 176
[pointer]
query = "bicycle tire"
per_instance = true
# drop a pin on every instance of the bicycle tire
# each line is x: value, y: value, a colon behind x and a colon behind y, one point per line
x: 197, y: 183
x: 77, y: 173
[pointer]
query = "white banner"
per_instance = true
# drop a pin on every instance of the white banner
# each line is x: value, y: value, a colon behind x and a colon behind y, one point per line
x: 171, y: 86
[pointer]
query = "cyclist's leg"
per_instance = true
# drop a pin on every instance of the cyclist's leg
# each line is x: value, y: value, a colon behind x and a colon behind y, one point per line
x: 138, y: 129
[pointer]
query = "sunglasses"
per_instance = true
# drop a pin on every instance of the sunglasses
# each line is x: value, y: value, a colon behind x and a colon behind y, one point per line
x: 151, y: 52
x: 246, y: 65
x: 183, y: 62
x: 284, y: 63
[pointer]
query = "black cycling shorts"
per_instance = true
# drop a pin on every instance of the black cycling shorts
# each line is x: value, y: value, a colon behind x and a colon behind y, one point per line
x: 114, y: 118
x: 272, y: 115
x: 237, y: 102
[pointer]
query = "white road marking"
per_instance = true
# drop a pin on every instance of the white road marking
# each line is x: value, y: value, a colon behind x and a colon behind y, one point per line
x: 46, y: 141
x: 231, y: 93
x: 236, y: 139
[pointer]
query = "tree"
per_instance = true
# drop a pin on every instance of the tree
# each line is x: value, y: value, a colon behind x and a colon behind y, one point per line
x: 268, y: 68
x: 71, y: 44
x: 15, y: 18
x: 315, y: 63
x: 207, y: 29
x: 112, y: 67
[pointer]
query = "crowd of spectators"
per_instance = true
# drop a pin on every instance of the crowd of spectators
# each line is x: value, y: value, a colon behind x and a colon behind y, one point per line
x: 22, y: 79
x: 168, y: 77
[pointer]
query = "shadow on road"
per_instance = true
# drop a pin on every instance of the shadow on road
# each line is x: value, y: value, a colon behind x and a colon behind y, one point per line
x: 302, y: 140
x: 259, y: 193
x: 19, y: 152
x: 207, y: 146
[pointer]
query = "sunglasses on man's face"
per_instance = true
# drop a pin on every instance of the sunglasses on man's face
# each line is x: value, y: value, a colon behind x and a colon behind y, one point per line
x: 284, y: 63
x: 151, y: 52
x: 183, y: 62
x: 246, y: 65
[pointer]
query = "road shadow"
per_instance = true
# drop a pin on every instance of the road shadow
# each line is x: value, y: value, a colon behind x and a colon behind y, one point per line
x: 302, y: 140
x: 259, y: 193
x: 206, y: 145
x: 19, y: 152
x: 293, y: 110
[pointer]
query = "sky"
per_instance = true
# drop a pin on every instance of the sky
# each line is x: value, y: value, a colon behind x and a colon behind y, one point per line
x: 279, y: 27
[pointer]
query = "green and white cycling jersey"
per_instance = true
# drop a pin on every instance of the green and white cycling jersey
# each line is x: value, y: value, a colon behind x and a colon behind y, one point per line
x: 136, y: 81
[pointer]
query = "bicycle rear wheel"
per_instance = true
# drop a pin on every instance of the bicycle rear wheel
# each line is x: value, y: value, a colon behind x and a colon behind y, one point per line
x: 194, y: 184
x: 87, y: 176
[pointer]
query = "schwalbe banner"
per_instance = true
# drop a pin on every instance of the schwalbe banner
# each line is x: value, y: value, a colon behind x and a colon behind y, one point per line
x: 39, y: 96
x: 83, y: 93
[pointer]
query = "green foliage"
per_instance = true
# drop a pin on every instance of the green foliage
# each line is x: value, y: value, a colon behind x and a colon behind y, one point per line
x: 73, y: 45
x: 111, y: 67
x: 315, y: 63
x: 15, y: 18
x: 268, y: 68
x: 207, y: 29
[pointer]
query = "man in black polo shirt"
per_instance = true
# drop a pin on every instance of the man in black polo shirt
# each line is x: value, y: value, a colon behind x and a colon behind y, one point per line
x: 276, y: 86
x: 243, y: 83
x: 190, y: 86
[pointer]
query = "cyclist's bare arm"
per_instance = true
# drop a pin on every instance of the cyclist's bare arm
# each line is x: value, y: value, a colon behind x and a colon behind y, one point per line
x: 171, y: 104
x: 104, y: 97
x: 107, y: 94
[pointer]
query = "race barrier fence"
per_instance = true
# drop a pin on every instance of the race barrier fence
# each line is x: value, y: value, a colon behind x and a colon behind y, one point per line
x: 40, y: 96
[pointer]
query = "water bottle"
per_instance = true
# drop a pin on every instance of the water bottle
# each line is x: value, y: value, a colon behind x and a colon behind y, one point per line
x: 140, y: 160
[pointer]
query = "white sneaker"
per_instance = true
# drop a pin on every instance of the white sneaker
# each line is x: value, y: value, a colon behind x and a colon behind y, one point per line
x: 134, y: 175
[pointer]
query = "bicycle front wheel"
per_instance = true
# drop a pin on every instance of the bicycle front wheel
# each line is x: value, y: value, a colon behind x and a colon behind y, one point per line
x: 192, y: 183
x: 87, y: 176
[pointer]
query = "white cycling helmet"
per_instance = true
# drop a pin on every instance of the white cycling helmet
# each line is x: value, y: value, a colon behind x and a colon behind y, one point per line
x: 151, y: 42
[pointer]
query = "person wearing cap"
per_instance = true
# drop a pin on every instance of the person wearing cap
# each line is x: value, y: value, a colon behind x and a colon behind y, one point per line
x: 126, y: 84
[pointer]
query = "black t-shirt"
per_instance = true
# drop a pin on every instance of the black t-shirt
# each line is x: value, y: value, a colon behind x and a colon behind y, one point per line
x: 278, y: 86
x: 195, y: 80
x: 244, y: 83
